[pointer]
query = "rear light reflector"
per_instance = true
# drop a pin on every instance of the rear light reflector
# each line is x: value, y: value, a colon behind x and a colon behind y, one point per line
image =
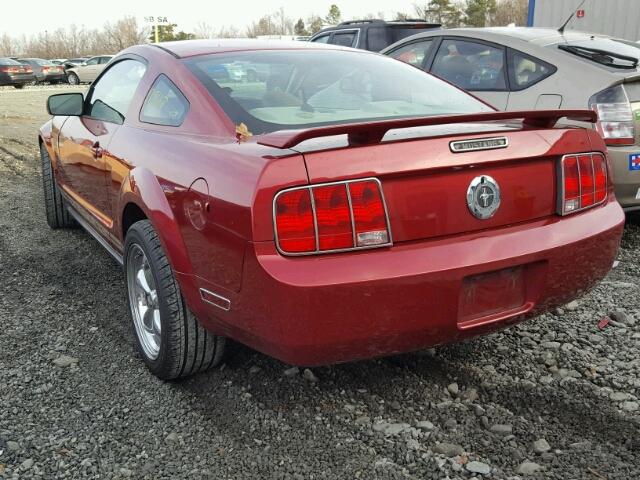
x: 331, y: 217
x: 584, y: 182
x: 615, y: 118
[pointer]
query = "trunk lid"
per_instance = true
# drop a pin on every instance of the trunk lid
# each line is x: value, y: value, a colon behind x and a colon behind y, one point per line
x: 425, y: 184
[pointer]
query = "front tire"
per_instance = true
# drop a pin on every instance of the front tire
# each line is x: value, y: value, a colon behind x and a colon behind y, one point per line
x: 57, y: 214
x: 168, y: 336
x: 73, y: 79
x: 19, y: 86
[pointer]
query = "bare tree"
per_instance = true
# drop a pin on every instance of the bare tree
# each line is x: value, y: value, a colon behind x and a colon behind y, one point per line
x: 7, y: 45
x: 274, y: 24
x: 314, y: 23
x: 228, y: 32
x: 402, y: 16
x: 510, y: 11
x: 122, y: 34
x: 284, y: 25
x: 73, y: 41
x: 204, y: 30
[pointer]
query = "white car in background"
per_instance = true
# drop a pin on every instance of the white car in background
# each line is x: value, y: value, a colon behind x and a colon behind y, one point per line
x: 88, y: 70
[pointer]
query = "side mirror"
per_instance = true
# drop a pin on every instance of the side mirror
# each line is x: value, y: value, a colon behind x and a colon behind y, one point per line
x: 66, y: 104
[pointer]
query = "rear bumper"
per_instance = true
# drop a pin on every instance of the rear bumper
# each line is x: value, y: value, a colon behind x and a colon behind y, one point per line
x: 343, y: 307
x: 16, y: 78
x: 626, y: 181
x: 54, y: 77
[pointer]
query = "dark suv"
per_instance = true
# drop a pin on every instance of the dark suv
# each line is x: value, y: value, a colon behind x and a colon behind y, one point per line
x: 371, y: 35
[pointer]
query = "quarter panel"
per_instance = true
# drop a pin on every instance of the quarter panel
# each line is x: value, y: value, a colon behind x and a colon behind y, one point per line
x: 209, y: 226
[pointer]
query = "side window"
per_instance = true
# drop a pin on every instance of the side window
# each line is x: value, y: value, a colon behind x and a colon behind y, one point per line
x: 413, y: 53
x: 346, y: 39
x: 470, y: 65
x: 104, y: 60
x: 525, y: 71
x: 165, y: 104
x: 93, y: 61
x: 377, y: 38
x: 322, y: 39
x: 111, y: 96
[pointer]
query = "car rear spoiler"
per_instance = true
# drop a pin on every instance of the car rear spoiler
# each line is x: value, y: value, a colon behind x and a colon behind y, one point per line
x: 373, y: 132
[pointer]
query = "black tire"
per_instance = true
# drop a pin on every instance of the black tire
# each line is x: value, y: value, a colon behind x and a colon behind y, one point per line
x: 186, y: 347
x: 18, y: 85
x: 73, y: 79
x: 57, y: 214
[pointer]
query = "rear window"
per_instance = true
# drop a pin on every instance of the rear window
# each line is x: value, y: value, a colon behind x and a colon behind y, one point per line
x: 297, y: 89
x: 345, y: 39
x: 8, y: 61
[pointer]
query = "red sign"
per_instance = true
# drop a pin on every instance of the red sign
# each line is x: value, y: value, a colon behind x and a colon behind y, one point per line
x: 580, y: 13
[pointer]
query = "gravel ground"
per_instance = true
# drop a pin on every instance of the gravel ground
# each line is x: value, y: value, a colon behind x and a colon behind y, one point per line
x: 555, y: 398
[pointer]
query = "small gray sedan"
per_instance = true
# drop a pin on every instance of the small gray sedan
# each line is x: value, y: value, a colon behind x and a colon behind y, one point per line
x: 519, y: 68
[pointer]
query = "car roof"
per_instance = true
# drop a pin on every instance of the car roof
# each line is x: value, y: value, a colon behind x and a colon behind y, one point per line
x: 189, y: 48
x: 514, y: 35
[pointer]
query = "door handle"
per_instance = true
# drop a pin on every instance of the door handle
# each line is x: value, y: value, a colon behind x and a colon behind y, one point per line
x: 96, y: 149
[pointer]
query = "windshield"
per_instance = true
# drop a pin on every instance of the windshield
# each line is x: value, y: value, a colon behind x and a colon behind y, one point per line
x: 595, y: 49
x: 275, y: 90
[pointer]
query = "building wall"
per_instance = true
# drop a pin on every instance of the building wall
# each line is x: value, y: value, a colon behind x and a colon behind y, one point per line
x: 618, y: 18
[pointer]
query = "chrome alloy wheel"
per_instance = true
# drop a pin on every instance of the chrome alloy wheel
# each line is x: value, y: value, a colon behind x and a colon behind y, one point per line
x: 143, y: 300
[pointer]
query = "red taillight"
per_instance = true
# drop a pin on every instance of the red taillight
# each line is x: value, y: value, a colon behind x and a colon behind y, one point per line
x: 331, y: 217
x: 615, y: 117
x: 600, y: 177
x: 294, y: 221
x: 571, y: 182
x: 584, y: 182
x: 368, y: 213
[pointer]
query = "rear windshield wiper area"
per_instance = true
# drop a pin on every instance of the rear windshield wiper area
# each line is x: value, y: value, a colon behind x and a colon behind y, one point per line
x: 603, y: 57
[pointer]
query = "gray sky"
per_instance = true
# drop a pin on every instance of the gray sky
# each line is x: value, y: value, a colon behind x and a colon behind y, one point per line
x: 33, y: 16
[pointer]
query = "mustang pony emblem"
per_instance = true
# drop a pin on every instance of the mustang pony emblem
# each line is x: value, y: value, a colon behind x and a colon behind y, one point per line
x: 483, y: 197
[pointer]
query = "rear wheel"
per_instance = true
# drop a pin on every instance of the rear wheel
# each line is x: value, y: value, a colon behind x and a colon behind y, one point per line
x: 57, y: 214
x: 73, y: 79
x: 168, y: 336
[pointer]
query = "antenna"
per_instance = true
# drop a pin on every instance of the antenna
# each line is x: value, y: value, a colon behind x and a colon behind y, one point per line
x: 561, y: 29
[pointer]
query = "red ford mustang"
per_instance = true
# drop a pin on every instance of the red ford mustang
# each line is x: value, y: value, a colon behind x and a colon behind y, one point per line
x: 322, y: 204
